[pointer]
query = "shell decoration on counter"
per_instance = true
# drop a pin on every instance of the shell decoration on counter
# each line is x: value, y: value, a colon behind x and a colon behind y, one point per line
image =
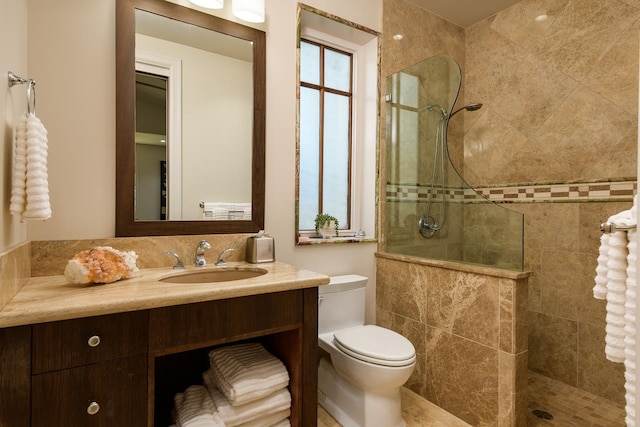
x: 101, y: 264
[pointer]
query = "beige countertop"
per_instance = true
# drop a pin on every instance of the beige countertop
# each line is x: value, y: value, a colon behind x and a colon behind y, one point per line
x: 51, y: 298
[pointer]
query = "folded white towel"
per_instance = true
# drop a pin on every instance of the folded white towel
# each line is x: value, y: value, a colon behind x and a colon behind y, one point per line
x: 195, y: 408
x: 276, y: 419
x: 247, y: 372
x: 239, y: 414
x: 283, y: 423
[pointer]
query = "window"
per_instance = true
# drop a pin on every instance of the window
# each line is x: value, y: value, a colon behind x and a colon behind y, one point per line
x: 326, y: 111
x: 338, y: 124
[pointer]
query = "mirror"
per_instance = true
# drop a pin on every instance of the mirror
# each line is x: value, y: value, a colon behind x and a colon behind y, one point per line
x: 190, y: 96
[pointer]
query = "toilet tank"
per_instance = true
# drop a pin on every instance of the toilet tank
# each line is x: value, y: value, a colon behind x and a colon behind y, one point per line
x: 341, y: 303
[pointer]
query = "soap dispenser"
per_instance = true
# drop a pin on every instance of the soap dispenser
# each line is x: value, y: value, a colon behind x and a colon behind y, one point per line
x: 261, y: 248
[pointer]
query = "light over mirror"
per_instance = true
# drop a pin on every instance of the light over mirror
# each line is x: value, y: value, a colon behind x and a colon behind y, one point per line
x: 190, y: 122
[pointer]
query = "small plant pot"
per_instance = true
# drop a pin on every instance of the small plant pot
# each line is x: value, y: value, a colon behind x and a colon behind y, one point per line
x: 328, y: 230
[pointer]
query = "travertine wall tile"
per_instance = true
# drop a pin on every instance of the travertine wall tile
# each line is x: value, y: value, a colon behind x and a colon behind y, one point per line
x: 513, y: 383
x: 583, y: 33
x: 457, y: 363
x: 462, y: 377
x: 595, y: 373
x: 15, y: 270
x: 553, y: 344
x: 465, y: 305
x: 50, y: 257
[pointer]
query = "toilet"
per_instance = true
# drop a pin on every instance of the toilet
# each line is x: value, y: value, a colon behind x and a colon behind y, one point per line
x: 360, y: 376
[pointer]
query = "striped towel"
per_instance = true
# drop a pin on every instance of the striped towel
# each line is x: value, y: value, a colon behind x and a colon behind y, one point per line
x: 194, y: 408
x: 246, y: 372
x: 277, y: 419
x: 232, y: 416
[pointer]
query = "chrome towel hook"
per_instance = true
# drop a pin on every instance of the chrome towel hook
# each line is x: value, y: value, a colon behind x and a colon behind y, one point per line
x: 31, y: 89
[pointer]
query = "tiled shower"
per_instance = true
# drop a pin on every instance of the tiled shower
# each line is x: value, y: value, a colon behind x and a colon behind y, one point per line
x: 555, y: 140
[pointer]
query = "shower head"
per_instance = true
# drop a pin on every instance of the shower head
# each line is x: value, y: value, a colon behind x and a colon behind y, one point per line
x: 470, y: 107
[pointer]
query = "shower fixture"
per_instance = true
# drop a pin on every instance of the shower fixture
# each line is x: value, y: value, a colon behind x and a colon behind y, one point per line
x: 427, y: 224
x: 470, y: 107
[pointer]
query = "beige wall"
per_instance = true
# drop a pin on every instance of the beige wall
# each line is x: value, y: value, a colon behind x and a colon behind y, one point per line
x: 560, y: 104
x: 13, y: 102
x: 71, y: 53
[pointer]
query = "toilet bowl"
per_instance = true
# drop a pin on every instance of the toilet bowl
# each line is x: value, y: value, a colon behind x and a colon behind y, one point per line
x: 360, y: 376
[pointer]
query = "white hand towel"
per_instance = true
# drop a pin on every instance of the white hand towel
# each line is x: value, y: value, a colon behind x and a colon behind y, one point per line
x: 19, y: 176
x: 38, y: 206
x: 247, y: 372
x: 240, y: 414
x: 616, y: 287
x: 276, y: 419
x: 600, y: 289
x: 194, y: 408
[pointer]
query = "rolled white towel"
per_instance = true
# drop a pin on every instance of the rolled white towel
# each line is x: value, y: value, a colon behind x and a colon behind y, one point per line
x: 19, y: 175
x: 600, y: 289
x: 239, y: 414
x: 247, y: 372
x: 616, y: 293
x: 195, y: 408
x: 37, y: 186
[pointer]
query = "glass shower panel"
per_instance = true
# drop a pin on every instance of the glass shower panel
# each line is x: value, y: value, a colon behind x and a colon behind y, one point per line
x: 430, y: 211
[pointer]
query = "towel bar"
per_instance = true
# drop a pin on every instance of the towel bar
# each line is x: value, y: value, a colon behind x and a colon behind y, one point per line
x: 609, y: 227
x: 31, y: 89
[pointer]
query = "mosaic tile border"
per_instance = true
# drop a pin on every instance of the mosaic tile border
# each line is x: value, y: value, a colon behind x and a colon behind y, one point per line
x: 562, y: 192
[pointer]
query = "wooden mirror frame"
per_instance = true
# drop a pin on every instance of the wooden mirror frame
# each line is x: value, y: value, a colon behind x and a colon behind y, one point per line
x: 126, y: 225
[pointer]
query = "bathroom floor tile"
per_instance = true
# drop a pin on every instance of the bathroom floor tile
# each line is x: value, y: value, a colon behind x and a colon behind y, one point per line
x: 417, y: 412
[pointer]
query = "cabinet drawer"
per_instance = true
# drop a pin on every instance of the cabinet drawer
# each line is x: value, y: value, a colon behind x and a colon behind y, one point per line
x: 70, y: 343
x: 224, y: 320
x: 112, y: 393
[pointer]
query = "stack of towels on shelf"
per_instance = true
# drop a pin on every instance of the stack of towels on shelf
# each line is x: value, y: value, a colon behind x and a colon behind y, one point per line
x: 245, y: 386
x: 615, y: 282
x: 226, y: 211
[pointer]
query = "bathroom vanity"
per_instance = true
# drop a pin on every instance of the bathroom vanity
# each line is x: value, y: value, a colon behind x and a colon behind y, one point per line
x: 116, y: 354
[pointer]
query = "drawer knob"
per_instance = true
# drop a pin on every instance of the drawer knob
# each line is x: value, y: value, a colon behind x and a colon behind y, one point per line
x: 93, y: 408
x: 94, y: 341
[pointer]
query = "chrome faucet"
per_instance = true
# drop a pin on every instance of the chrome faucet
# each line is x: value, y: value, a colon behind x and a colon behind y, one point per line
x: 179, y: 265
x: 202, y: 246
x: 221, y: 262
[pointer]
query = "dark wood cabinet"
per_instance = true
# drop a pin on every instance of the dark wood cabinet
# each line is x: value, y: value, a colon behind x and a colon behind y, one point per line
x: 111, y: 393
x: 124, y: 369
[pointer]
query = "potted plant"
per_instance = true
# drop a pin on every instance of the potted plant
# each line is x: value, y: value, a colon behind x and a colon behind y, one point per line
x: 326, y: 225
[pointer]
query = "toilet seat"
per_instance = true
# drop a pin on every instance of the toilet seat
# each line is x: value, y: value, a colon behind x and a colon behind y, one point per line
x: 373, y: 344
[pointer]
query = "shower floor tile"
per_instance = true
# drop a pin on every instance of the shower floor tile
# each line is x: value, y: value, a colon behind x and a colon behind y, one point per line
x: 570, y: 406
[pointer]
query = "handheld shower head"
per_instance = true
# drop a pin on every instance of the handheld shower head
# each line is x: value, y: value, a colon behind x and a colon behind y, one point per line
x: 470, y: 107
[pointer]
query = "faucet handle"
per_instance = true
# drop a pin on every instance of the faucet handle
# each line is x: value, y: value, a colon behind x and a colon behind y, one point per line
x: 179, y: 265
x: 221, y: 262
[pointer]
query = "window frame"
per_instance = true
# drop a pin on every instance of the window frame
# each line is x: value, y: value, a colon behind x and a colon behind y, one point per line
x: 323, y: 89
x: 365, y: 45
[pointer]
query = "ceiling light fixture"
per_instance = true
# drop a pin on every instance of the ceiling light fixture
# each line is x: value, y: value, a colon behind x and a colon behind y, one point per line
x: 248, y: 10
x: 398, y: 36
x: 209, y: 4
x: 541, y: 18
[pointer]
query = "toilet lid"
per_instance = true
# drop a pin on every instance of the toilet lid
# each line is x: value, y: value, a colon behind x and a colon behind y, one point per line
x: 374, y: 344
